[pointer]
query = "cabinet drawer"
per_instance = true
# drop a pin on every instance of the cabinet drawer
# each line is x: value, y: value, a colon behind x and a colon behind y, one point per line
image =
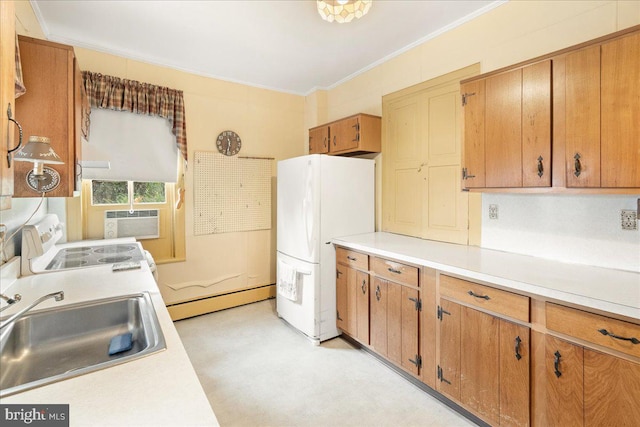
x: 395, y: 271
x: 353, y: 259
x: 486, y: 297
x: 612, y: 333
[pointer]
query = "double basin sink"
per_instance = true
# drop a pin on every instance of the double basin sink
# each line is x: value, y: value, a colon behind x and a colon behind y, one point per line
x: 55, y: 344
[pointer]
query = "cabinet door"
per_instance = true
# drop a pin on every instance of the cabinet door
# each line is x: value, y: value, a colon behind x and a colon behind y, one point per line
x: 582, y: 91
x: 352, y: 295
x: 378, y: 319
x: 474, y: 133
x: 620, y: 97
x: 611, y: 390
x: 362, y: 307
x: 345, y: 135
x: 319, y: 140
x: 536, y: 125
x: 479, y: 358
x: 448, y: 381
x: 48, y: 109
x: 514, y: 374
x: 503, y: 129
x: 564, y: 374
x: 409, y: 352
x: 341, y: 298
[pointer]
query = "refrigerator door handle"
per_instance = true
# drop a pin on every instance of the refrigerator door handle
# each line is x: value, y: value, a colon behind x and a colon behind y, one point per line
x: 307, y: 206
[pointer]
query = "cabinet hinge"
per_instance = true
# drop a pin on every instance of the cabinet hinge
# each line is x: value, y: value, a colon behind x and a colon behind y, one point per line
x: 338, y: 315
x: 440, y: 312
x: 338, y: 273
x: 417, y: 302
x: 441, y: 376
x: 465, y: 96
x: 417, y: 361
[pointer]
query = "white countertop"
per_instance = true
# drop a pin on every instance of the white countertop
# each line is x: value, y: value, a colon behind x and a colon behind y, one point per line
x: 613, y: 291
x: 161, y: 389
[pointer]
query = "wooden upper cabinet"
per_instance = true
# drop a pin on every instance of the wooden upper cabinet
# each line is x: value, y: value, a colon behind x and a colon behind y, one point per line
x: 507, y: 129
x: 620, y: 115
x: 582, y: 91
x: 319, y: 140
x: 603, y: 114
x: 356, y: 134
x: 474, y: 133
x: 48, y: 108
x: 7, y: 97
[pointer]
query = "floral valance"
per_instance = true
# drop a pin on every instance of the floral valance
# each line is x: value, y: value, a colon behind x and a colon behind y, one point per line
x: 142, y: 98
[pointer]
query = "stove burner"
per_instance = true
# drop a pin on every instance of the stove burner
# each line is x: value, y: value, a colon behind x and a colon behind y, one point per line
x: 65, y: 263
x: 78, y: 249
x: 114, y: 249
x: 69, y: 257
x: 114, y: 259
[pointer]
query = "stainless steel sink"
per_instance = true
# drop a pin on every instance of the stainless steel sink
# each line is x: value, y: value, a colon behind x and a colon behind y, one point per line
x: 59, y: 343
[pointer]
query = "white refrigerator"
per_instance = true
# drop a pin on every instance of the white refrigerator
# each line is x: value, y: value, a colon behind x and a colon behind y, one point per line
x: 319, y: 197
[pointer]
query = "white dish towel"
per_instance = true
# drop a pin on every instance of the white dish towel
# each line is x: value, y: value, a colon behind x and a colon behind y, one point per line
x: 287, y: 281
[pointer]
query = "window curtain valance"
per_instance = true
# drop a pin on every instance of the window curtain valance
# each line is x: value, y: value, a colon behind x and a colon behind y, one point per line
x: 142, y: 98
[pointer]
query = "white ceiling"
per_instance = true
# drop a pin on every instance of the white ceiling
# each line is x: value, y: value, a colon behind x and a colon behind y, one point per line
x: 280, y: 45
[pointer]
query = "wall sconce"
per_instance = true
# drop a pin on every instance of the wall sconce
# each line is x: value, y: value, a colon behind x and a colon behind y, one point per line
x: 38, y: 150
x: 11, y: 119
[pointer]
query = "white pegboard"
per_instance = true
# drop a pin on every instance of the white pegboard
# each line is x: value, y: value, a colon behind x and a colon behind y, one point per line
x: 231, y: 193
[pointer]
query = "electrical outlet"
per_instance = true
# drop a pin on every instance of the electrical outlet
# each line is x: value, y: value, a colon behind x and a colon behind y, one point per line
x: 493, y: 211
x: 629, y: 219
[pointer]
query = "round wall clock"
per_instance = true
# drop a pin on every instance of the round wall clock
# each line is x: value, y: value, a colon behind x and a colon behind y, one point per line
x: 229, y: 143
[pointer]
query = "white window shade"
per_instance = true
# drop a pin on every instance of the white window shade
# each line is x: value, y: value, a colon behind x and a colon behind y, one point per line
x: 137, y: 147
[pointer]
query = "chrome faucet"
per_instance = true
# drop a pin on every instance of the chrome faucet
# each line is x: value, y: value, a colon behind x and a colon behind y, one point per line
x: 10, y: 301
x: 59, y: 296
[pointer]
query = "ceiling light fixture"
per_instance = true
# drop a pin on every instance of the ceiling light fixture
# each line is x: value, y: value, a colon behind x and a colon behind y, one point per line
x: 343, y: 10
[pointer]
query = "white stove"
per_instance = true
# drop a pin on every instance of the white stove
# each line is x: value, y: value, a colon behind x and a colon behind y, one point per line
x: 42, y: 254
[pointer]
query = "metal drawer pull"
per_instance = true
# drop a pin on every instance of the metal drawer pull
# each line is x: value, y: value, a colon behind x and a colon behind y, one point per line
x: 350, y: 258
x: 325, y: 142
x: 618, y: 337
x: 518, y: 341
x: 485, y: 297
x: 556, y: 364
x: 378, y: 293
x: 393, y: 270
x: 576, y: 165
x: 364, y: 287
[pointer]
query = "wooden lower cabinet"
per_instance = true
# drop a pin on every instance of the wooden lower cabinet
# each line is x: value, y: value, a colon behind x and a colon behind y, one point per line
x: 590, y: 388
x: 352, y: 302
x: 484, y: 364
x: 394, y: 323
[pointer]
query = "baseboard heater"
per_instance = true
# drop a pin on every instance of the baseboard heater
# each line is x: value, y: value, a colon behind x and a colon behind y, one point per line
x: 214, y: 303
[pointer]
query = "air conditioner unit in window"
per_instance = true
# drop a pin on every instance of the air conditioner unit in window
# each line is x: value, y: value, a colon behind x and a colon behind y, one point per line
x: 141, y: 224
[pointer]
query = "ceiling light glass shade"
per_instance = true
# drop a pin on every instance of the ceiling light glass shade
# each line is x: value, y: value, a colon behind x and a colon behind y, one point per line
x: 343, y: 10
x: 38, y: 150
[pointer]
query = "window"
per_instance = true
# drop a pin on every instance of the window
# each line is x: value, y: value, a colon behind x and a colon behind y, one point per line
x: 126, y: 192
